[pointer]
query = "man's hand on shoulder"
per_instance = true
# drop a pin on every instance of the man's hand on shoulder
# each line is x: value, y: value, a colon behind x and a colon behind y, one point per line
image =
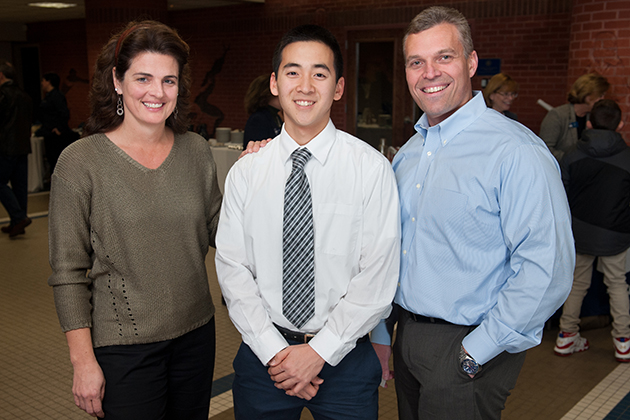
x: 295, y: 370
x: 254, y: 147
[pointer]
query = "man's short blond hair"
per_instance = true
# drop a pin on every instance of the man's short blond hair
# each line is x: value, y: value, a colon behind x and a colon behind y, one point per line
x: 437, y: 15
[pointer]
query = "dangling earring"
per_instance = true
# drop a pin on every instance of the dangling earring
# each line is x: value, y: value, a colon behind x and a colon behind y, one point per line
x: 119, y: 106
x: 175, y: 113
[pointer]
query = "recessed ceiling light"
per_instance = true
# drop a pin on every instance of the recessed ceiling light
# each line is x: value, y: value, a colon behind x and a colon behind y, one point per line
x: 53, y: 5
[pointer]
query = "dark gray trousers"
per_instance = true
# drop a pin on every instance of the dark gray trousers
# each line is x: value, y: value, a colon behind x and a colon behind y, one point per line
x: 431, y: 385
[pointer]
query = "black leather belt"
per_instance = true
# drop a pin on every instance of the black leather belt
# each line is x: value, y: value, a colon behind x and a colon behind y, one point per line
x: 293, y: 335
x: 426, y: 319
x: 305, y: 337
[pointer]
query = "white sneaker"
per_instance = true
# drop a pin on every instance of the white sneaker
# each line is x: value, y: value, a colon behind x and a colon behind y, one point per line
x: 622, y: 349
x: 569, y: 343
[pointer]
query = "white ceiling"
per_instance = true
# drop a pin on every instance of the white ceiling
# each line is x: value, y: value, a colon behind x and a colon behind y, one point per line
x: 18, y: 11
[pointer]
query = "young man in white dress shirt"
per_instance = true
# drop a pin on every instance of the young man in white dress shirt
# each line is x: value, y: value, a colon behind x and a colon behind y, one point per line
x: 325, y: 361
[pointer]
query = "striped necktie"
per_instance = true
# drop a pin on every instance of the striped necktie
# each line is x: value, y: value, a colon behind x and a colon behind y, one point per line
x: 298, y: 265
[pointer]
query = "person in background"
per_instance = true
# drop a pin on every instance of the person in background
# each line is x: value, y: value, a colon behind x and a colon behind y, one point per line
x: 134, y: 207
x: 596, y: 176
x: 499, y: 94
x: 16, y: 113
x: 487, y: 251
x: 562, y: 126
x: 308, y: 250
x: 54, y: 116
x: 263, y: 108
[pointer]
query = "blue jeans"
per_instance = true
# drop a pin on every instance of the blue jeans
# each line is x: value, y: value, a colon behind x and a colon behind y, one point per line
x: 349, y: 391
x: 14, y: 198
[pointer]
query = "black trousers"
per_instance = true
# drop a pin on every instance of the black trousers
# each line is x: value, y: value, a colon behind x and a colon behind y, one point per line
x: 430, y: 384
x: 166, y: 380
x: 14, y: 169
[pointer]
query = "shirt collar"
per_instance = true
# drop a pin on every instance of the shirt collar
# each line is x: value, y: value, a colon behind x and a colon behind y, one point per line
x: 319, y: 146
x: 457, y: 122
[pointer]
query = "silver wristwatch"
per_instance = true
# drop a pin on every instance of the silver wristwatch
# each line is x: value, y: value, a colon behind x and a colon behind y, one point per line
x: 468, y: 364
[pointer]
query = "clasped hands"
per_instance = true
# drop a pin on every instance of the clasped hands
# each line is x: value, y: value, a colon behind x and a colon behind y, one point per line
x: 295, y: 369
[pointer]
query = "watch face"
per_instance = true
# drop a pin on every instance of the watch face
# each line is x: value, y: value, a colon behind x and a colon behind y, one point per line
x: 470, y: 366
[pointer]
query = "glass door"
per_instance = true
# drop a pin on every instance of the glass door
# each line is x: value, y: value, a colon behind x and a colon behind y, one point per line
x: 374, y: 93
x: 380, y: 108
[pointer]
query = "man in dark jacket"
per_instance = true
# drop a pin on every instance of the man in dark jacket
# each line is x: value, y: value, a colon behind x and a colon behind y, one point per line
x: 15, y: 145
x: 596, y: 176
x: 54, y: 116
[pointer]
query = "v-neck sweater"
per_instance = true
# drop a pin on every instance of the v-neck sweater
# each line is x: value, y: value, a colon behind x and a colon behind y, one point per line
x: 128, y: 244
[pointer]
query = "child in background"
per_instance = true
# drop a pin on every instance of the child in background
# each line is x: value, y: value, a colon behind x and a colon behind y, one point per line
x: 596, y: 176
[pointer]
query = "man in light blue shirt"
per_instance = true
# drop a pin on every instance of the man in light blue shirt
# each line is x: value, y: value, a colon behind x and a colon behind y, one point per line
x: 487, y: 252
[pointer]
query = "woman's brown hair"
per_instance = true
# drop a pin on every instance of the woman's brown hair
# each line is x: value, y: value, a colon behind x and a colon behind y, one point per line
x: 136, y: 38
x: 258, y: 94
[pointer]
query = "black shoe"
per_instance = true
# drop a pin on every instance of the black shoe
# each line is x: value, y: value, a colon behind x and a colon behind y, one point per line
x: 6, y: 229
x: 18, y: 228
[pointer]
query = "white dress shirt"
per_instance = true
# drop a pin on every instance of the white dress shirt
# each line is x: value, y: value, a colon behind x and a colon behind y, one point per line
x: 356, y: 220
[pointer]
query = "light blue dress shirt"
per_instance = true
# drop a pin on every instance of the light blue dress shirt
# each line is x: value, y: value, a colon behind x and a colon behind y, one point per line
x: 486, y: 229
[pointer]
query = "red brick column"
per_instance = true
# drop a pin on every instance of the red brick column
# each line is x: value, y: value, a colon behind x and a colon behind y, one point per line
x: 600, y: 42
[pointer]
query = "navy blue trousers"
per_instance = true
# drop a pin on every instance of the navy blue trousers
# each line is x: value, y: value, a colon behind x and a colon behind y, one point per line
x: 166, y: 380
x: 349, y: 391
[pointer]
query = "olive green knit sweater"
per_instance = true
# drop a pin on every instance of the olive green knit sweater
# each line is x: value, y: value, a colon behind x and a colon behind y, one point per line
x: 128, y: 243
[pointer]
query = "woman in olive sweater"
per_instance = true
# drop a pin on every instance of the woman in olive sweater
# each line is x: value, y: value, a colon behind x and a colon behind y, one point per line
x: 562, y: 126
x: 134, y: 207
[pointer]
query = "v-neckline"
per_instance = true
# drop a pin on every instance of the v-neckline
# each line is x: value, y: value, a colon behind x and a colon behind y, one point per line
x: 137, y: 164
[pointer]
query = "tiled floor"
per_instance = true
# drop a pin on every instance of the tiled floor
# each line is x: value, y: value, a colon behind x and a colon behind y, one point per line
x: 36, y: 375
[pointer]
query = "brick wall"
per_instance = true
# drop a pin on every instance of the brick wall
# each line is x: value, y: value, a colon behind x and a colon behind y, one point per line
x: 247, y: 35
x: 500, y: 30
x: 531, y: 37
x: 600, y: 42
x: 224, y: 60
x: 534, y: 51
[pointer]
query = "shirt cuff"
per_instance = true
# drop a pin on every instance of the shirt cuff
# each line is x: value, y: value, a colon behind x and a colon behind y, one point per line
x: 380, y: 335
x: 328, y: 346
x: 268, y: 345
x: 481, y: 346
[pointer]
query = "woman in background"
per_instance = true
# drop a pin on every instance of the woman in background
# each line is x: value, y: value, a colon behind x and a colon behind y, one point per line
x: 562, y: 126
x: 134, y: 207
x: 265, y: 116
x: 499, y: 94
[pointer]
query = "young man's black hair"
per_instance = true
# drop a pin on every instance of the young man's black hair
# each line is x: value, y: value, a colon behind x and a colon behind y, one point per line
x: 305, y: 33
x: 605, y: 115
